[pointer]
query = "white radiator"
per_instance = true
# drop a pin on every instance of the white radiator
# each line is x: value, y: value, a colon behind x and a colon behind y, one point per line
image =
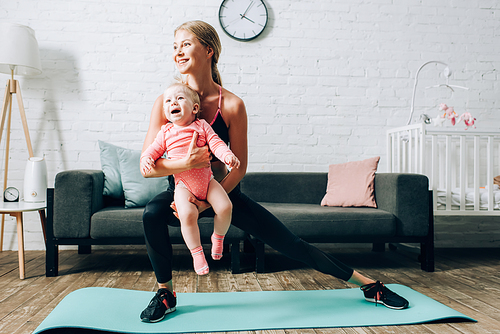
x: 460, y: 165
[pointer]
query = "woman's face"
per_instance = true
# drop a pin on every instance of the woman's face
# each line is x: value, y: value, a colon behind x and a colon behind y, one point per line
x: 189, y: 53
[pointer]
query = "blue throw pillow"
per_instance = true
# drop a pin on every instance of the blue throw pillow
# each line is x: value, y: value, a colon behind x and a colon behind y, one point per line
x: 137, y: 189
x: 111, y: 168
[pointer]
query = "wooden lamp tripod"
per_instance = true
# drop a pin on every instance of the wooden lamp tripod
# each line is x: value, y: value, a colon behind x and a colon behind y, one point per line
x: 11, y: 88
x: 19, y: 55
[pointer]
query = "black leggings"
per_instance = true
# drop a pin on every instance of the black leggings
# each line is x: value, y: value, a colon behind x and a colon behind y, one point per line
x: 248, y: 216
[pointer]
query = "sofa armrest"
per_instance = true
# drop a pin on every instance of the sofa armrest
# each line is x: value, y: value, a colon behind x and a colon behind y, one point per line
x: 407, y: 197
x: 77, y: 196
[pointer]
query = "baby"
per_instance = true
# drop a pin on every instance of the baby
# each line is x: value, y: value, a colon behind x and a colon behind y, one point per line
x: 181, y: 105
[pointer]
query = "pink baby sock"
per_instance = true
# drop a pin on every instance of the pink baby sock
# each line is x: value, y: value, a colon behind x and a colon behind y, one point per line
x: 217, y: 246
x: 199, y: 261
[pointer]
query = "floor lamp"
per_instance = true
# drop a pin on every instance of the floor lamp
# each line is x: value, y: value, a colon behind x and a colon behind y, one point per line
x: 19, y: 55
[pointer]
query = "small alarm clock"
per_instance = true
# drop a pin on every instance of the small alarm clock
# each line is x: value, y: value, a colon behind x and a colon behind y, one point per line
x: 11, y: 194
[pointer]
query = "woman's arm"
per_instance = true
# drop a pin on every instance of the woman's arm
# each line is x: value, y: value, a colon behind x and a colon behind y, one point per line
x: 197, y: 157
x: 235, y: 116
x: 156, y: 121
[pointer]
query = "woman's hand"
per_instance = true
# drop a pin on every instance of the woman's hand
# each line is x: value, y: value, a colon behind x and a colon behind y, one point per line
x: 197, y: 157
x: 201, y: 205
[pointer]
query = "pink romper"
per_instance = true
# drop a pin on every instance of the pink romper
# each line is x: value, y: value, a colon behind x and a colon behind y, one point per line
x: 175, y: 141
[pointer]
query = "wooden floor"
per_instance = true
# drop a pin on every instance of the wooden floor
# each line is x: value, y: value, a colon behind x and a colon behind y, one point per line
x: 468, y: 280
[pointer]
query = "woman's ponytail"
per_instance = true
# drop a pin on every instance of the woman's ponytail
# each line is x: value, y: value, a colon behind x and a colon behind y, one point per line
x: 215, y: 74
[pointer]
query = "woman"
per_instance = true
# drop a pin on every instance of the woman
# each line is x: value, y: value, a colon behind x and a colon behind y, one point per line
x: 196, y: 52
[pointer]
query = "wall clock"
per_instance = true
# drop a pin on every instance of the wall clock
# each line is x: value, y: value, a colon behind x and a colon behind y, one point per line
x: 243, y: 20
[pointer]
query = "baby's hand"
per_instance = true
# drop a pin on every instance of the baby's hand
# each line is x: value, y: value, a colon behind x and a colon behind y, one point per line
x: 146, y: 164
x: 232, y: 161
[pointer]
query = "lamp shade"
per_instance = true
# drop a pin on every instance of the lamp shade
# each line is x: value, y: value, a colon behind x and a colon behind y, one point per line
x: 19, y: 50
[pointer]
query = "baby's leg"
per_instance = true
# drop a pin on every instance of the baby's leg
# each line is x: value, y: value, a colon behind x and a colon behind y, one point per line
x: 223, y: 208
x: 188, y: 215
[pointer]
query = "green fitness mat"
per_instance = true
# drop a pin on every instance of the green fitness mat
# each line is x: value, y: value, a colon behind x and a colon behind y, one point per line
x: 118, y: 310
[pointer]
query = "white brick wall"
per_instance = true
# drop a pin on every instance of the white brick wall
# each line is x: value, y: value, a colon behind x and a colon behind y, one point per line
x: 321, y: 86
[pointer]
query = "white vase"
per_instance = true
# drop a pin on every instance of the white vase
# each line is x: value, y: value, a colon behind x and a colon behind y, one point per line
x: 35, y: 180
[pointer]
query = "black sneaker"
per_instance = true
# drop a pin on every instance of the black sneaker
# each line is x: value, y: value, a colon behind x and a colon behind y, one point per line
x: 162, y: 304
x: 378, y: 293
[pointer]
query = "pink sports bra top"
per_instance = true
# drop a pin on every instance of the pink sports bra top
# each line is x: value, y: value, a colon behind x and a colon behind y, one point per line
x: 218, y: 123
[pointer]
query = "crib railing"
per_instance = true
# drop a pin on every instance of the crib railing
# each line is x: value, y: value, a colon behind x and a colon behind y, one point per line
x: 460, y: 165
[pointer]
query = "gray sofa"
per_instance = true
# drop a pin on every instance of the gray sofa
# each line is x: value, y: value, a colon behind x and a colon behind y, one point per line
x: 78, y: 214
x: 403, y: 215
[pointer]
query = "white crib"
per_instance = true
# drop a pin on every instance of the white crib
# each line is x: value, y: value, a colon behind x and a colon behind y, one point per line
x: 460, y: 165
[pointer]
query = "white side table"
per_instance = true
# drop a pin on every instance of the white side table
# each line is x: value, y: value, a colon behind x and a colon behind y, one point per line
x: 16, y: 209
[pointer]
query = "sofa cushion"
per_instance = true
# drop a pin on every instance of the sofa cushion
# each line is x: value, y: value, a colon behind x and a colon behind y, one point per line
x: 351, y: 184
x: 316, y: 223
x: 117, y: 222
x: 285, y: 187
x: 311, y: 222
x: 138, y: 190
x: 111, y: 169
x: 123, y: 179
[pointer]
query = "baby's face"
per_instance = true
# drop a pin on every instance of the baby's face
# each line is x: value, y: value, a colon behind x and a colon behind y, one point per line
x: 179, y: 108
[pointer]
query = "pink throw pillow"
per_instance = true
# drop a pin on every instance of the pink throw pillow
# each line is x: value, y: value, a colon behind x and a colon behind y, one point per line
x: 351, y: 184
